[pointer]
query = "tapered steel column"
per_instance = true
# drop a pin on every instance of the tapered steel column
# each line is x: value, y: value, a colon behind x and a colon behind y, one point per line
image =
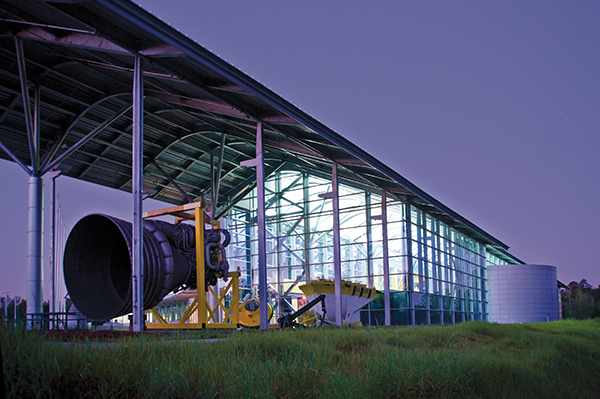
x: 35, y: 234
x: 259, y: 163
x: 35, y: 213
x: 409, y: 260
x: 337, y: 259
x: 53, y: 241
x: 386, y: 263
x: 261, y: 224
x: 137, y: 150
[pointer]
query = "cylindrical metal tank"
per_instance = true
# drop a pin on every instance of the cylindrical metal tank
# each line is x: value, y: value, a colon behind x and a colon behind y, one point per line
x: 97, y: 264
x: 522, y: 293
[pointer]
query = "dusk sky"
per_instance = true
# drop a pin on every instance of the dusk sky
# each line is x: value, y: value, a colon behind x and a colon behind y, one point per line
x: 493, y: 108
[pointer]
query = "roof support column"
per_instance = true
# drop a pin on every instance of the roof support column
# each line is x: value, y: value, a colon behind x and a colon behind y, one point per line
x: 409, y: 260
x: 35, y: 235
x: 259, y: 163
x: 308, y: 252
x: 137, y: 261
x: 337, y: 260
x: 369, y: 233
x: 53, y: 242
x: 386, y: 263
x: 262, y: 227
x: 35, y: 213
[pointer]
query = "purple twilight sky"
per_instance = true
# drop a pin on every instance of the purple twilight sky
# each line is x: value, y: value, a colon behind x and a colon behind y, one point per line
x: 493, y: 108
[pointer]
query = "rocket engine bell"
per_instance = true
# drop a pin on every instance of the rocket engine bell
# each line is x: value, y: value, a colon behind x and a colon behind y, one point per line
x: 97, y: 263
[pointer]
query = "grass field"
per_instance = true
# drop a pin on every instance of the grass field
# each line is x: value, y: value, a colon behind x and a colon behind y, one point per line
x: 470, y: 360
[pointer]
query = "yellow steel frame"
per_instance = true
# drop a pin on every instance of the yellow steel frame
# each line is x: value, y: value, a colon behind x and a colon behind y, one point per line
x: 206, y: 315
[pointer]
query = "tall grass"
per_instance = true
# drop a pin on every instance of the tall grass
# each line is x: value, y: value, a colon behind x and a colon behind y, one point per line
x: 471, y: 360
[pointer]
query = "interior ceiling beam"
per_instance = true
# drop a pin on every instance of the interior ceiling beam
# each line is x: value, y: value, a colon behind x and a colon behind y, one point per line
x: 171, y: 181
x: 49, y: 90
x: 230, y: 88
x: 292, y: 147
x: 113, y: 67
x: 54, y: 27
x: 161, y: 50
x: 351, y: 161
x: 280, y: 120
x: 102, y: 155
x: 63, y: 135
x: 103, y: 125
x: 204, y: 105
x: 181, y: 141
x: 242, y: 189
x: 205, y: 184
x: 78, y: 39
x: 11, y: 107
x: 183, y: 170
x: 187, y: 162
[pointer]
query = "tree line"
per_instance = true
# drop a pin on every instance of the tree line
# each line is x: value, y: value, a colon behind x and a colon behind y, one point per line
x: 580, y: 301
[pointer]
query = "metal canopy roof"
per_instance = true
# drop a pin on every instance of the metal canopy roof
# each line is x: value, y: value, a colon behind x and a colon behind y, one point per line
x: 77, y: 57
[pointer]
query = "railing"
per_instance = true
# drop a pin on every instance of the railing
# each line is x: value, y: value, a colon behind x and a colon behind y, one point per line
x: 46, y: 321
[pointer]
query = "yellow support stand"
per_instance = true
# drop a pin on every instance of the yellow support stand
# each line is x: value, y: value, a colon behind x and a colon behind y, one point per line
x: 205, y: 315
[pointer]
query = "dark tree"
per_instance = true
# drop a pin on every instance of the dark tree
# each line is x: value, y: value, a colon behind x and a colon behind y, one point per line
x: 580, y: 301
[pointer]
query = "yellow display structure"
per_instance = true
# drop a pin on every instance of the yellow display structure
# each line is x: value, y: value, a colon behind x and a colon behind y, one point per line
x: 206, y: 315
x: 249, y: 313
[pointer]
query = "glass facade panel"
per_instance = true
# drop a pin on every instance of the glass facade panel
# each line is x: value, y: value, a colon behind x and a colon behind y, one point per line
x: 401, y: 317
x: 437, y: 274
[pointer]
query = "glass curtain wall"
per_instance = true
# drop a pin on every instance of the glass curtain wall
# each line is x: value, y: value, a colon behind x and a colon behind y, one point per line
x: 437, y: 275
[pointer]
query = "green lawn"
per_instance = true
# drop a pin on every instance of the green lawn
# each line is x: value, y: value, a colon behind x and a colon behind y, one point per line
x: 475, y: 359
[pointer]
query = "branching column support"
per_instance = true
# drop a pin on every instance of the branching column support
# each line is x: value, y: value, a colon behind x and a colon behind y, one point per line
x: 26, y: 104
x: 35, y: 213
x: 137, y: 150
